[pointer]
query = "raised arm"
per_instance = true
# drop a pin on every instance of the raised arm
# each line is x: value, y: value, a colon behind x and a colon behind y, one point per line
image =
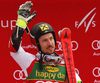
x: 24, y: 17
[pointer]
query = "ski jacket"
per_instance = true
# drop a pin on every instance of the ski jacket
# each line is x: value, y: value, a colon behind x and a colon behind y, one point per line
x: 30, y: 63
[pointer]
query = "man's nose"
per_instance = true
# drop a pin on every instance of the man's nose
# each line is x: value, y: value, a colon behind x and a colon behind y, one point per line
x: 49, y: 42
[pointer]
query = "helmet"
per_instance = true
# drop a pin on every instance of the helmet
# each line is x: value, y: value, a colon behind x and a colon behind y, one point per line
x: 38, y: 30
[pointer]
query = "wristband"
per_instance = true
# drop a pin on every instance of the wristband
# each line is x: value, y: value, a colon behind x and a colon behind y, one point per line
x: 79, y: 81
x: 21, y: 22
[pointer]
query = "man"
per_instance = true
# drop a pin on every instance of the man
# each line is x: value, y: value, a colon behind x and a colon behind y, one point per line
x: 47, y: 67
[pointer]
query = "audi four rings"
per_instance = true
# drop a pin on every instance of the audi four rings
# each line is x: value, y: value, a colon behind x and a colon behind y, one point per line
x: 20, y: 75
x: 97, y: 43
x: 96, y: 72
x: 72, y: 43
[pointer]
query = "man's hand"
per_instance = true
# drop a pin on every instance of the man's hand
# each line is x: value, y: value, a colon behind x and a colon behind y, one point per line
x: 24, y: 15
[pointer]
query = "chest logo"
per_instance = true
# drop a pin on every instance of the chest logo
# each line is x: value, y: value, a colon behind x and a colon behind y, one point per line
x: 52, y: 69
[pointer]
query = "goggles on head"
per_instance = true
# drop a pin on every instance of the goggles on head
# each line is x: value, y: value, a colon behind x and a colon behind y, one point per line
x: 52, y: 60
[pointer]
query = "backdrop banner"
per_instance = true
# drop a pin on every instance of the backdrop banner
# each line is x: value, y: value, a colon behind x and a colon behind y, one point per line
x: 81, y: 16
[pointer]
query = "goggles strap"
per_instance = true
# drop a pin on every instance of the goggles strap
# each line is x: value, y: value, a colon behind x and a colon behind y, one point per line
x: 56, y: 54
x: 40, y: 62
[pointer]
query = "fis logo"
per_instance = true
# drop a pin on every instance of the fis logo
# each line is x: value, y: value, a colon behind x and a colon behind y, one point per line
x: 44, y: 27
x: 90, y: 22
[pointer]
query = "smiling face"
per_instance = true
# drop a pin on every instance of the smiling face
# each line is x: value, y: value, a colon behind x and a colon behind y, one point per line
x: 47, y: 43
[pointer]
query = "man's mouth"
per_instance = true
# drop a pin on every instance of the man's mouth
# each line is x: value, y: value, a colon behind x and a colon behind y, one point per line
x: 50, y: 48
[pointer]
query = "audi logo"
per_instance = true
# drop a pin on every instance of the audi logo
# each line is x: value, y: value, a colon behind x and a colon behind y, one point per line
x: 96, y: 44
x: 73, y: 43
x: 19, y: 75
x: 96, y: 72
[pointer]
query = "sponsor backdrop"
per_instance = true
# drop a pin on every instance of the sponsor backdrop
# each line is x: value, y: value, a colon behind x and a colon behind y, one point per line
x: 81, y: 16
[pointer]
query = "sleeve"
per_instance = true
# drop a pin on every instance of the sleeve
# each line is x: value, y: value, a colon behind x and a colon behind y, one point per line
x: 23, y: 59
x: 78, y: 78
x: 15, y: 39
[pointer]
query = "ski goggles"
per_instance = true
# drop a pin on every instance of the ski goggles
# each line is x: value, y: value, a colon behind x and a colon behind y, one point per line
x: 52, y: 60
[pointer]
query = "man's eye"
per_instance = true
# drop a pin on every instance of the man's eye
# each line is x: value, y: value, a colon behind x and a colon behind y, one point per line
x: 44, y: 40
x: 51, y: 38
